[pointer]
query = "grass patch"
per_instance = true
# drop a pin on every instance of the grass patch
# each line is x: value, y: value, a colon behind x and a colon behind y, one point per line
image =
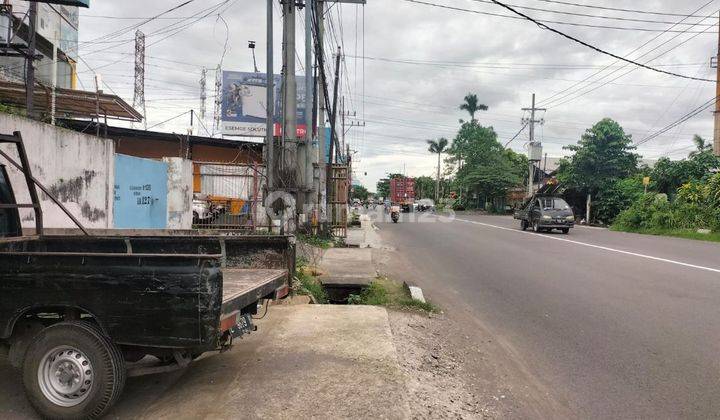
x: 391, y: 294
x: 307, y: 284
x: 676, y: 233
x: 321, y: 242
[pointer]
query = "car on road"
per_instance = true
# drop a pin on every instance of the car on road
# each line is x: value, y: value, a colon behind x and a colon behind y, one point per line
x: 545, y: 213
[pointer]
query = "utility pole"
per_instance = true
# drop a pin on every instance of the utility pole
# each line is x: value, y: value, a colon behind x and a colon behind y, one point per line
x: 203, y: 93
x: 534, y: 148
x: 53, y: 87
x: 251, y: 45
x: 322, y: 198
x: 139, y: 96
x: 30, y: 61
x: 289, y: 132
x: 716, y: 140
x: 270, y: 99
x: 98, y: 84
x: 333, y: 126
x: 218, y: 98
x: 310, y: 155
x: 334, y: 110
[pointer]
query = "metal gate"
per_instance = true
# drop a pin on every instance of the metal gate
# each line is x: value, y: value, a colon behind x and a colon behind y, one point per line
x: 226, y: 196
x: 338, y: 199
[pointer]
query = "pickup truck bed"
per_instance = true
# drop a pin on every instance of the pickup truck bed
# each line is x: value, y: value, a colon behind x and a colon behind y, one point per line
x: 242, y: 286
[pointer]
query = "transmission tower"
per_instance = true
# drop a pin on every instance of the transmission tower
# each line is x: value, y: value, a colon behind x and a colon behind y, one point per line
x: 203, y: 93
x: 218, y: 97
x: 139, y: 96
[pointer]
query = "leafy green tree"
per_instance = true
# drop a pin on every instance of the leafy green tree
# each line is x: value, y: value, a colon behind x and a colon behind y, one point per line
x: 701, y: 145
x: 669, y: 175
x: 359, y: 192
x: 489, y: 169
x: 472, y: 105
x: 603, y: 156
x: 439, y: 147
x: 424, y: 187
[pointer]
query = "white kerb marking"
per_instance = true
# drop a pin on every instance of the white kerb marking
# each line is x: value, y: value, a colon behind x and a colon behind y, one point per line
x: 604, y: 248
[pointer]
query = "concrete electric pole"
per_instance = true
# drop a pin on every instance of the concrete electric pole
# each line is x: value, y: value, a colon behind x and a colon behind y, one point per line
x: 270, y: 104
x: 30, y: 60
x: 716, y: 140
x: 289, y: 176
x: 310, y: 153
x: 534, y: 148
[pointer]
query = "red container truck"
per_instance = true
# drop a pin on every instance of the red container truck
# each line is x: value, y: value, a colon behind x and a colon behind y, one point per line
x: 402, y: 193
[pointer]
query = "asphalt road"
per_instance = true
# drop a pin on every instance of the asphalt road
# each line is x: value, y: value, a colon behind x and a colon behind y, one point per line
x: 613, y: 325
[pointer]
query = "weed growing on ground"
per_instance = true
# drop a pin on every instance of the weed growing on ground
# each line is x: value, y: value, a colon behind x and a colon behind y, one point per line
x: 385, y: 292
x: 307, y: 284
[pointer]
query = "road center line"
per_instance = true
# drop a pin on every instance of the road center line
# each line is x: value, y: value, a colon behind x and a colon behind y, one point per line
x: 604, y: 248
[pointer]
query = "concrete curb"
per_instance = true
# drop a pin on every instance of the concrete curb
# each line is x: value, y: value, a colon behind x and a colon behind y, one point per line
x: 416, y: 293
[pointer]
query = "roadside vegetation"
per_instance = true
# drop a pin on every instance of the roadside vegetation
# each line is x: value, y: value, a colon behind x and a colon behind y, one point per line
x: 603, y: 173
x: 307, y: 282
x: 391, y: 294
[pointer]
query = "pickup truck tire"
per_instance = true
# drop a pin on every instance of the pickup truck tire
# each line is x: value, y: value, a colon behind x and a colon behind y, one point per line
x: 565, y: 230
x: 523, y: 224
x: 72, y: 370
x: 536, y: 226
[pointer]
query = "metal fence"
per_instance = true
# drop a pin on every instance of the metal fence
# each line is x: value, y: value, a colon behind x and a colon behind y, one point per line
x: 227, y: 196
x: 338, y: 199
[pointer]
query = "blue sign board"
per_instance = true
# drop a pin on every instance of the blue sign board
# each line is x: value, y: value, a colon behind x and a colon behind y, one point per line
x: 140, y: 193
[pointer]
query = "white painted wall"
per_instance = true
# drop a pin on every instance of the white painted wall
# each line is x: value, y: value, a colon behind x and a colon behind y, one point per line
x: 180, y: 193
x: 77, y: 168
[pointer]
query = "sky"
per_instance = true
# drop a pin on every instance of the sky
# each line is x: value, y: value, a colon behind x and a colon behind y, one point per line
x: 408, y: 64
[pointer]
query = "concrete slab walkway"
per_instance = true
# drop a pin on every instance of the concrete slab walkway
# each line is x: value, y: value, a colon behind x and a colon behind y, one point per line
x: 306, y: 361
x: 347, y: 266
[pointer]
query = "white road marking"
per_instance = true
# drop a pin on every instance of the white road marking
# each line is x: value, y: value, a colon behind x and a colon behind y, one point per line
x: 605, y: 248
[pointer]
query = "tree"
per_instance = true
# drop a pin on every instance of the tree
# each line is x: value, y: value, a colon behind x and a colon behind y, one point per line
x: 702, y: 146
x: 438, y: 147
x: 668, y: 175
x: 424, y: 187
x: 489, y: 169
x: 472, y: 105
x: 602, y: 157
x: 359, y: 192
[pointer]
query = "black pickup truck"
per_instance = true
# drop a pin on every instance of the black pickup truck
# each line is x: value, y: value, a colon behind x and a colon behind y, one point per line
x: 545, y: 213
x: 77, y: 312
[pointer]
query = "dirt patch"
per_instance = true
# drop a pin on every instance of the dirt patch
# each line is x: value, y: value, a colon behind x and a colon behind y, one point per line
x: 440, y: 381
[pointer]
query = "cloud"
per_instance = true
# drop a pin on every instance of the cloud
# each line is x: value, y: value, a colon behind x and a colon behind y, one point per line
x: 502, y: 60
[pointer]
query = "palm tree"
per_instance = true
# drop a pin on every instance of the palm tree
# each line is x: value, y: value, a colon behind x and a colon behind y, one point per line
x: 701, y: 145
x: 438, y: 146
x: 472, y: 106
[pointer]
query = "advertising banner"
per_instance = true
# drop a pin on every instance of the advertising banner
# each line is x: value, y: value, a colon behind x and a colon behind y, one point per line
x: 244, y: 107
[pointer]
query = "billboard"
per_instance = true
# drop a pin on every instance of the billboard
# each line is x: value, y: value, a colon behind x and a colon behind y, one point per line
x: 244, y: 104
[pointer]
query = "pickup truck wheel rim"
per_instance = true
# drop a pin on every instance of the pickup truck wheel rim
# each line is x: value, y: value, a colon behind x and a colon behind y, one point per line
x: 65, y: 376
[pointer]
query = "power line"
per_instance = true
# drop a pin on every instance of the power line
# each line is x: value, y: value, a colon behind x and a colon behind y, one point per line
x: 594, y: 48
x: 538, y: 9
x: 553, y: 103
x: 617, y: 9
x: 620, y: 76
x: 550, y: 99
x: 515, y: 136
x: 585, y: 25
x: 679, y: 121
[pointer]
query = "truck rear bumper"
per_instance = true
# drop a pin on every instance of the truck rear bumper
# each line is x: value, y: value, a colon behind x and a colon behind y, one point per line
x: 244, y: 287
